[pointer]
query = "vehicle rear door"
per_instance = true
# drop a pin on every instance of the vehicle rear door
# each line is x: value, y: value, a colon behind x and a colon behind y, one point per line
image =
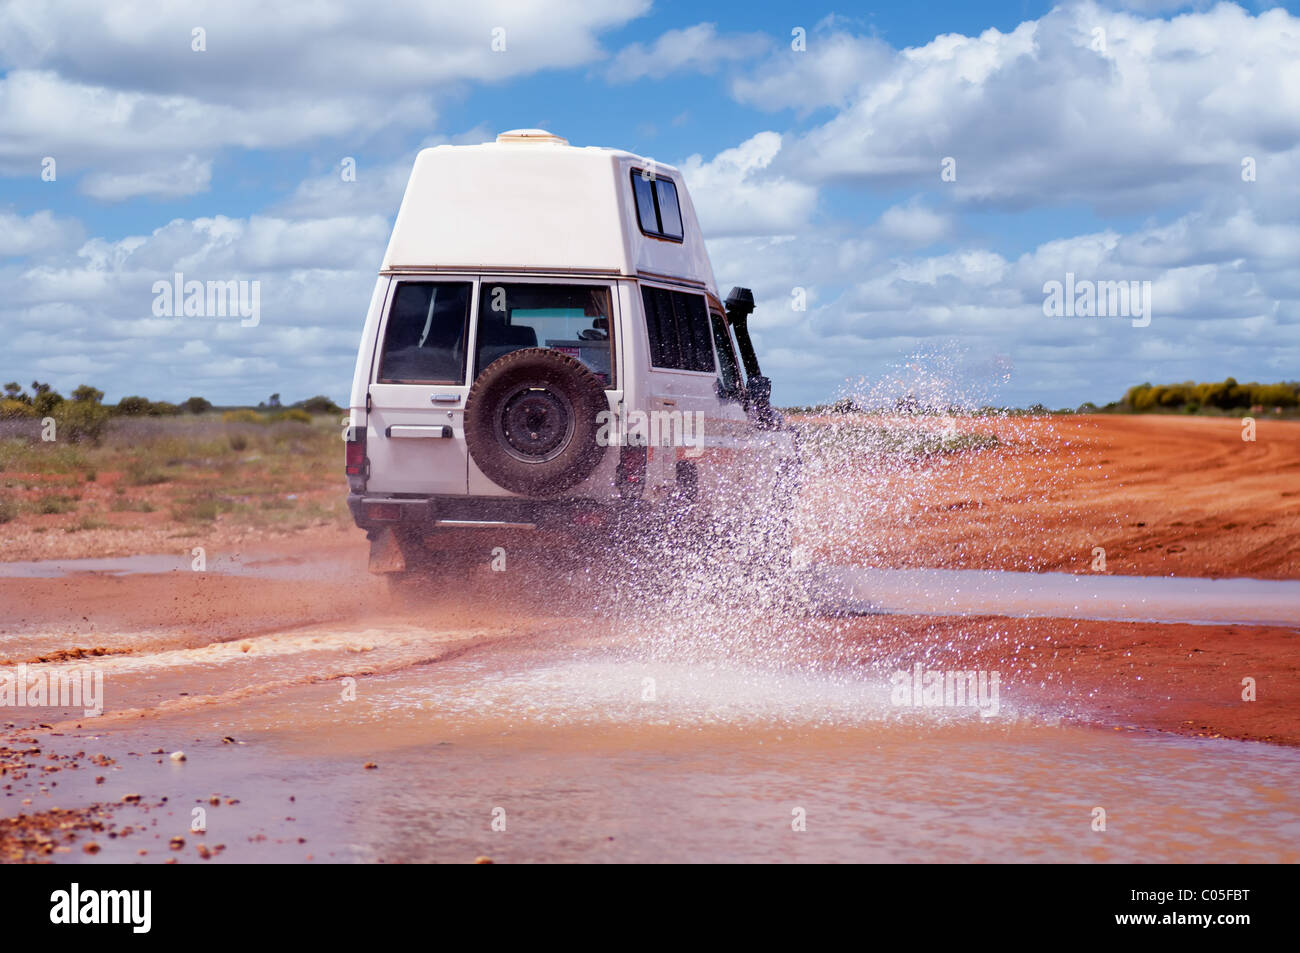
x: 416, y: 434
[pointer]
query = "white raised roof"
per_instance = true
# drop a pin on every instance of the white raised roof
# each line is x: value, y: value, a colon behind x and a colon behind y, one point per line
x: 530, y: 201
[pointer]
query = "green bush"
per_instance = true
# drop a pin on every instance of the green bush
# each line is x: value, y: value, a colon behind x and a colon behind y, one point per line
x: 293, y: 413
x: 197, y: 405
x: 10, y: 408
x: 320, y: 404
x: 133, y: 406
x: 1273, y: 395
x: 242, y: 417
x: 144, y: 473
x: 54, y: 503
x: 45, y: 402
x: 79, y: 420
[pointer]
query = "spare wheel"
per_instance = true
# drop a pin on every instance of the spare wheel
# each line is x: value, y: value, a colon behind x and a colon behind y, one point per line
x: 531, y: 421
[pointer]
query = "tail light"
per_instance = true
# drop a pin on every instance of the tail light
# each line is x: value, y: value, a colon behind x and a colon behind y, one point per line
x: 356, y: 465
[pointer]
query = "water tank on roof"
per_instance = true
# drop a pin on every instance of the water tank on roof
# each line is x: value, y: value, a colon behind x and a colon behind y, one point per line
x: 531, y: 136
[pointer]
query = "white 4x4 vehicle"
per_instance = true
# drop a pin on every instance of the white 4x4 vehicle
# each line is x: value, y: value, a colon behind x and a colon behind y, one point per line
x: 546, y: 349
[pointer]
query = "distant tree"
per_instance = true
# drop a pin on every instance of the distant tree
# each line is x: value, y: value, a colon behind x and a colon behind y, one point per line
x: 133, y: 406
x: 46, y: 400
x: 273, y: 401
x: 1273, y: 395
x: 197, y: 405
x: 320, y: 404
x: 14, y: 390
x: 85, y: 393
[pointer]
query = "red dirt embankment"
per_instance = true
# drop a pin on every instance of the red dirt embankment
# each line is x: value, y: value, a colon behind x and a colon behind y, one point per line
x: 1184, y: 496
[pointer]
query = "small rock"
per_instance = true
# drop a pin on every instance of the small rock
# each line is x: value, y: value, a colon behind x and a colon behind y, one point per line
x: 91, y: 848
x: 177, y: 756
x: 176, y: 843
x: 484, y: 860
x: 371, y: 766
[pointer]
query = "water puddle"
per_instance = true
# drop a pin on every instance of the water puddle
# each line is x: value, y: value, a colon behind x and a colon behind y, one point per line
x: 1060, y: 595
x: 597, y: 756
x: 154, y: 564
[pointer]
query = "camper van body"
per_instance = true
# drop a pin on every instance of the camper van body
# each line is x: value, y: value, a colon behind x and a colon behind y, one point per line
x: 520, y: 242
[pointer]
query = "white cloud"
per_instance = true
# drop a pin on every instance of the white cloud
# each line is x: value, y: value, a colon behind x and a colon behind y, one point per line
x: 186, y: 177
x: 873, y: 304
x: 915, y: 224
x: 1160, y: 112
x: 831, y: 68
x: 39, y: 232
x: 734, y: 194
x: 697, y: 48
x: 99, y: 86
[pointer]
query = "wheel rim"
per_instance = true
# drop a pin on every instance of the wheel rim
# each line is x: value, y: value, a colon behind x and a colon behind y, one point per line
x: 535, y: 423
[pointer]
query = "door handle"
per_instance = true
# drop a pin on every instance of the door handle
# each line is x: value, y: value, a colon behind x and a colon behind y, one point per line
x: 445, y: 399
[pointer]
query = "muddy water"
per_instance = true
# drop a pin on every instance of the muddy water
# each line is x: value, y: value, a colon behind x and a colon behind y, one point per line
x: 1061, y: 595
x: 596, y: 753
x: 691, y: 733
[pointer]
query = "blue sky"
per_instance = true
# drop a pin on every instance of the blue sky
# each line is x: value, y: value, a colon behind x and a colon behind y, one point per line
x: 1105, y: 140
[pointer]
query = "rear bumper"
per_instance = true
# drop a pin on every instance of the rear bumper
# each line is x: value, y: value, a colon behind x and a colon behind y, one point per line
x: 427, y: 514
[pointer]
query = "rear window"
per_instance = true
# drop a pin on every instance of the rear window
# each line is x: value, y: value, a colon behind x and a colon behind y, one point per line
x: 424, y: 341
x: 572, y: 319
x: 656, y: 205
x: 677, y: 324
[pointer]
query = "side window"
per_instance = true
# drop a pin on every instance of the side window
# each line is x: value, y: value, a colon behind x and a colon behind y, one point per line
x: 670, y: 214
x: 424, y: 340
x: 728, y: 369
x: 657, y: 209
x: 677, y: 324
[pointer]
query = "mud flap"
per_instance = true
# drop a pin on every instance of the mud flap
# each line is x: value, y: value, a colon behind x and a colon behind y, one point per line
x: 385, y: 553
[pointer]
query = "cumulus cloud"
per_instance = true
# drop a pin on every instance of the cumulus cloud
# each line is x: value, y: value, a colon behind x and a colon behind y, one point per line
x: 827, y: 72
x: 39, y: 232
x: 186, y: 177
x: 734, y: 194
x: 1147, y: 122
x: 87, y: 314
x: 871, y: 303
x: 914, y: 224
x: 1083, y: 105
x: 698, y: 48
x: 100, y: 85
